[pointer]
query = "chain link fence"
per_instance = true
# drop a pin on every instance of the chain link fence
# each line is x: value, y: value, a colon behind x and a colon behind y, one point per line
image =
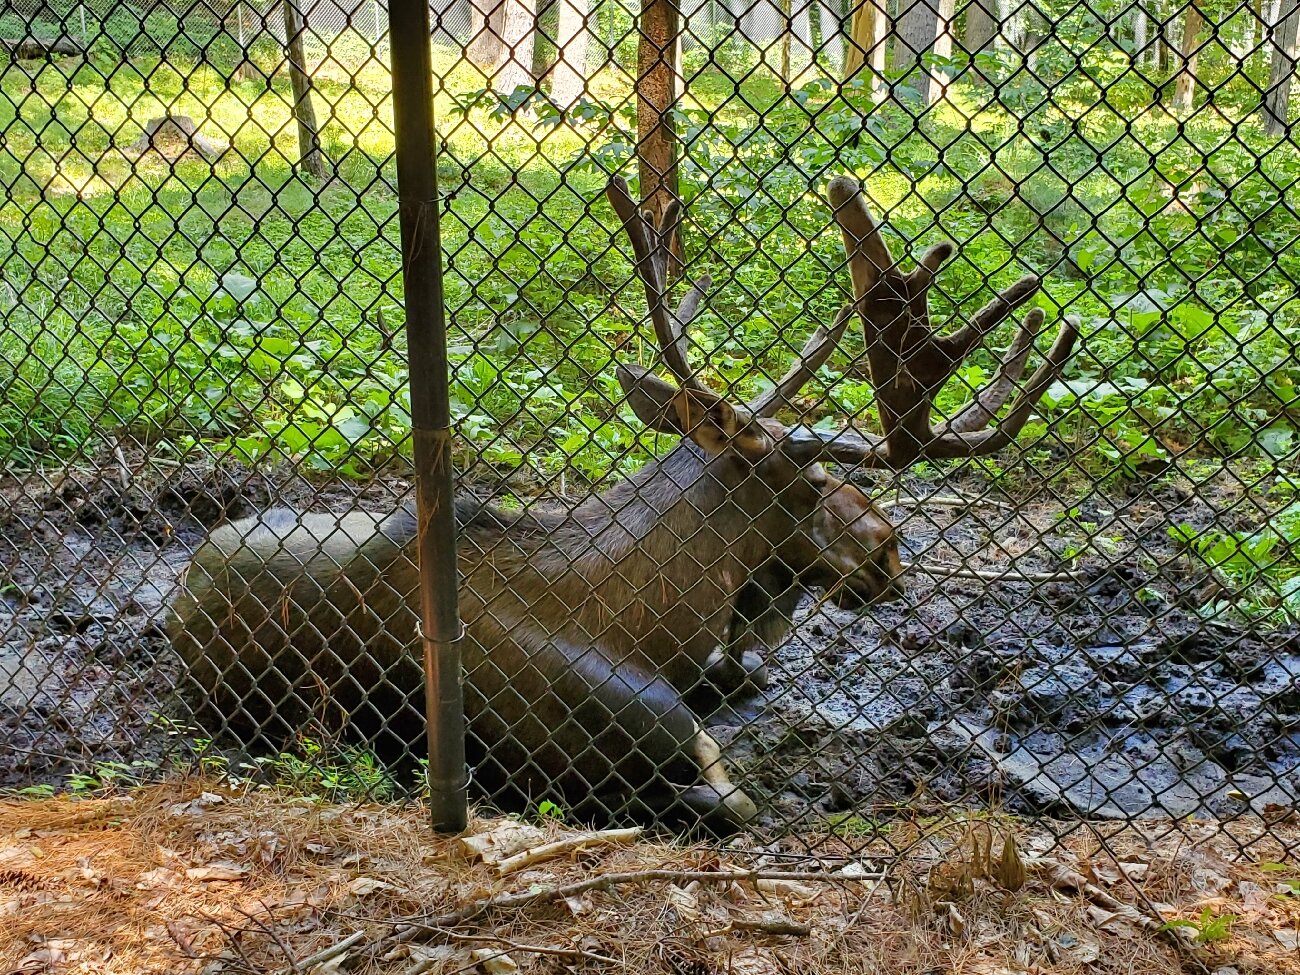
x: 1034, y: 552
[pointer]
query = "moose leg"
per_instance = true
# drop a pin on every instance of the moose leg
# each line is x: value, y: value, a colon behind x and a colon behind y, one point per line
x: 734, y: 670
x: 612, y: 739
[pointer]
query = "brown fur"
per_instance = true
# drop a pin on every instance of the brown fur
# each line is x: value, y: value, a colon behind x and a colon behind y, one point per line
x: 584, y: 626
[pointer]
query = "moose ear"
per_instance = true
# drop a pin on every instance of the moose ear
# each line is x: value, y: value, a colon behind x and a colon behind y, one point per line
x: 704, y: 417
x: 650, y: 397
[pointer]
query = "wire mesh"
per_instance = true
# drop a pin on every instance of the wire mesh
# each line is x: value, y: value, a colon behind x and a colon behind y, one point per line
x: 206, y: 545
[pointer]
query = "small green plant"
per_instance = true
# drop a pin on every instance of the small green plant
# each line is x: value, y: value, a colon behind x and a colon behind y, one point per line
x: 1259, y: 569
x: 850, y: 826
x: 548, y: 811
x: 1209, y: 927
x: 318, y: 772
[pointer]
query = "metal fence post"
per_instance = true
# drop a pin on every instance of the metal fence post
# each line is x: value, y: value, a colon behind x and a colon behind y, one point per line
x: 417, y: 178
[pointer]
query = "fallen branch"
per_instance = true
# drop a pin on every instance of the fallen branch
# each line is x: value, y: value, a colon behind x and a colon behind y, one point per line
x: 535, y: 949
x: 570, y: 844
x: 782, y: 926
x: 994, y: 575
x: 172, y: 136
x: 947, y: 501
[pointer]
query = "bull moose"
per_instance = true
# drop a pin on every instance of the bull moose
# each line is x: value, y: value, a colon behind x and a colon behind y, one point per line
x: 587, y: 626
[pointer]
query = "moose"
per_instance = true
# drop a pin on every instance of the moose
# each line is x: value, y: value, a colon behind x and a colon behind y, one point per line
x: 589, y: 627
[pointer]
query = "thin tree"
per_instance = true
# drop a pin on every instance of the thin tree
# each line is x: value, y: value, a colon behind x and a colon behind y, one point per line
x: 486, y: 25
x: 518, y: 34
x: 981, y: 26
x: 1277, y: 100
x: 569, y: 76
x: 310, y: 157
x: 544, y: 49
x: 917, y: 29
x: 787, y: 38
x: 865, y: 44
x: 1185, y: 85
x: 947, y: 12
x: 657, y: 70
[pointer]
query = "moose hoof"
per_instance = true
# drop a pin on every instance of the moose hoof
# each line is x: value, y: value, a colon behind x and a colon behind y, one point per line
x: 733, y: 675
x: 704, y: 807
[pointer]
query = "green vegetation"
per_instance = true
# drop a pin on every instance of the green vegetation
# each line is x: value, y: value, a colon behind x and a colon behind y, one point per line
x: 1209, y: 927
x: 238, y: 306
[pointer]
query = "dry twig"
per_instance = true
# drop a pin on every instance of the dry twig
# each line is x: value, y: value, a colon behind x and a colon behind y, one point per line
x: 569, y: 844
x: 992, y: 575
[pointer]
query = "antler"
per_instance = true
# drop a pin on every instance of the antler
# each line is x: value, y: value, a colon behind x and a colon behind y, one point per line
x: 652, y: 245
x: 909, y: 362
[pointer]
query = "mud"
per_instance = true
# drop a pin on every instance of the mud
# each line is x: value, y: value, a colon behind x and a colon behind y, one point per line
x: 1105, y: 693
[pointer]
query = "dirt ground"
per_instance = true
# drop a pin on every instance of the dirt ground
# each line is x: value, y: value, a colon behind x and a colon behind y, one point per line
x: 190, y: 878
x: 1103, y: 693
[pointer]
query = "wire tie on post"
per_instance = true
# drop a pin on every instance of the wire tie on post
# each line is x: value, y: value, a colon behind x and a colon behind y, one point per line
x: 419, y: 632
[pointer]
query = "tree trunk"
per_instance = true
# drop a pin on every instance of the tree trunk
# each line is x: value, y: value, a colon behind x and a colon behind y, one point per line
x: 942, y: 48
x: 660, y: 25
x: 815, y: 28
x: 247, y: 70
x: 1185, y: 86
x: 1168, y: 41
x: 865, y: 44
x: 518, y: 37
x: 486, y: 24
x: 310, y: 157
x: 916, y: 30
x: 787, y: 38
x: 569, y: 76
x: 544, y: 50
x: 1139, y: 34
x: 1277, y: 100
x: 981, y: 26
x: 1258, y: 30
x: 1031, y: 36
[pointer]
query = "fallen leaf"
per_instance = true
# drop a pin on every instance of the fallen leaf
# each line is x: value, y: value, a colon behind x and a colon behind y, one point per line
x: 578, y: 904
x: 1288, y: 938
x: 992, y: 966
x: 1253, y: 897
x: 217, y: 872
x: 506, y: 838
x: 158, y: 877
x: 752, y: 960
x: 1111, y: 922
x: 365, y: 886
x: 442, y: 958
x: 684, y: 902
x: 1136, y: 870
x: 956, y: 923
x: 60, y: 952
x: 494, y: 961
x: 1085, y: 950
x: 16, y: 858
x: 195, y: 807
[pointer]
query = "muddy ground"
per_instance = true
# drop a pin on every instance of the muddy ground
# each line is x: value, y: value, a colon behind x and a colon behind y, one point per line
x: 1103, y: 693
